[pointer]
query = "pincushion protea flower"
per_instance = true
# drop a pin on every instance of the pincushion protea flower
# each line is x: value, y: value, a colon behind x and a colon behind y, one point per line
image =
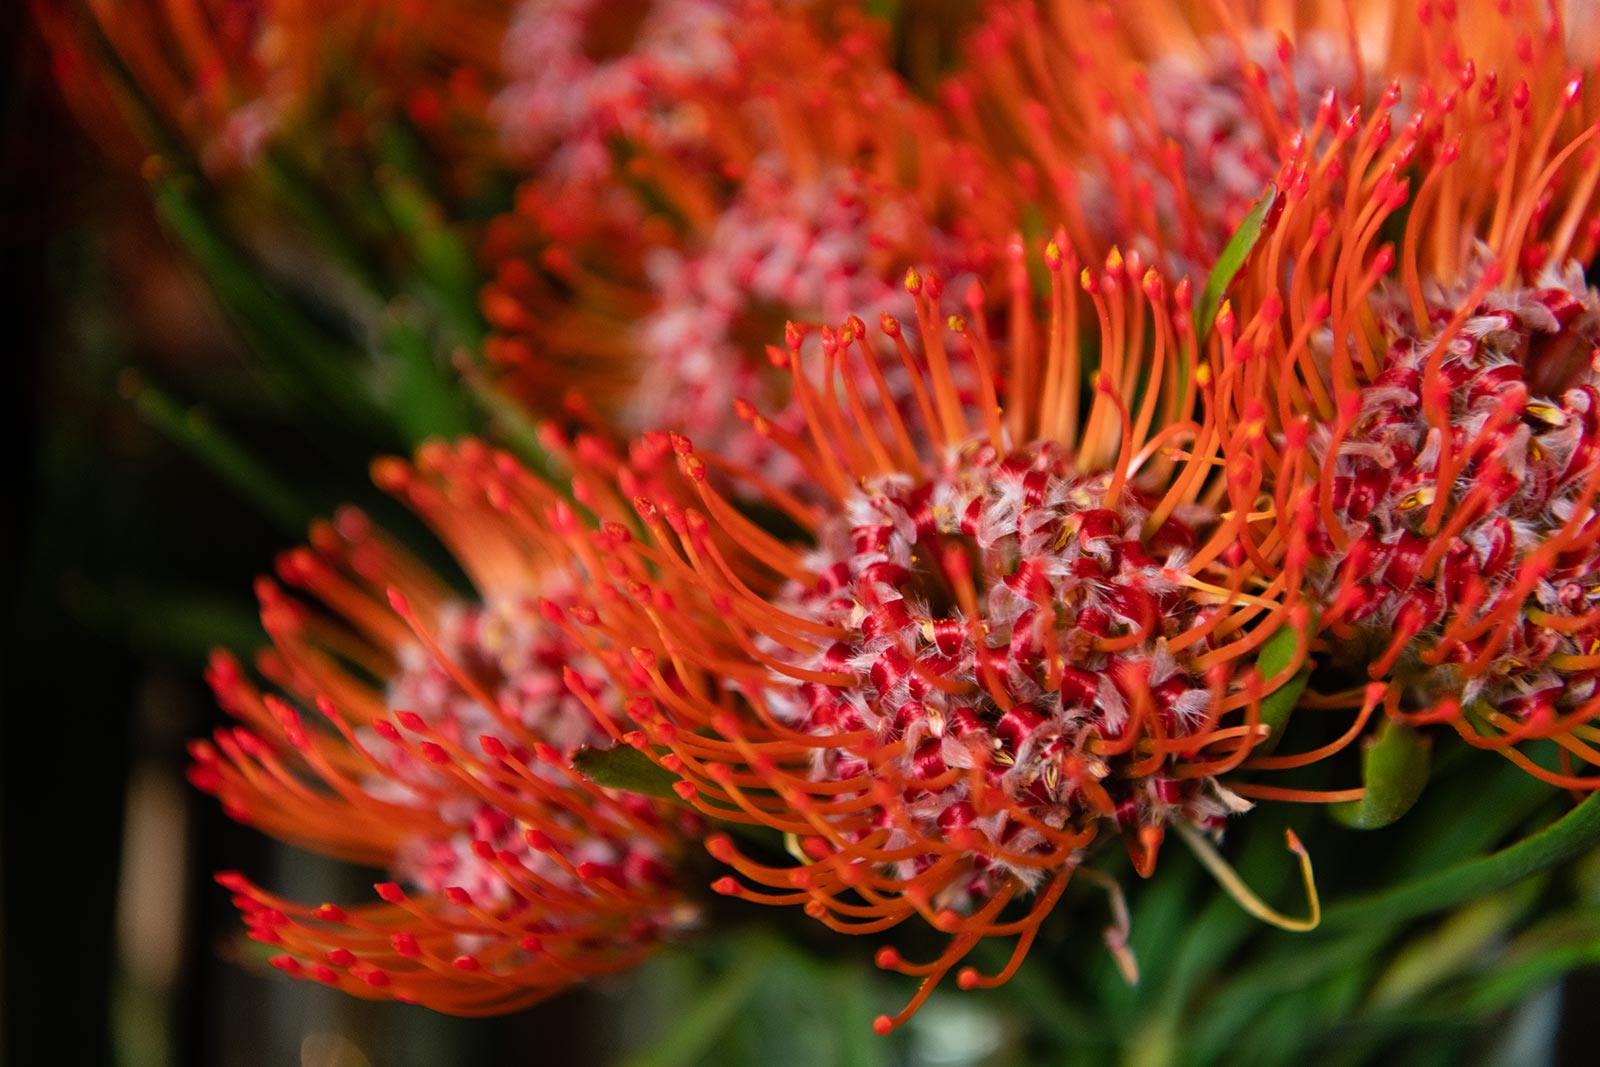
x: 1159, y: 129
x: 814, y: 181
x: 1451, y: 382
x: 582, y: 72
x: 444, y: 756
x: 1003, y: 633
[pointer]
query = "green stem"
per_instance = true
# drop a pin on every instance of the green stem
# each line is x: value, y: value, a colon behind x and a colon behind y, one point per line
x: 1569, y: 836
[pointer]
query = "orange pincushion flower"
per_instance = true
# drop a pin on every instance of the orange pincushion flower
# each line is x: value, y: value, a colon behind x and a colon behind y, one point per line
x: 813, y: 180
x: 1160, y: 127
x: 1452, y: 382
x: 514, y: 875
x: 1003, y: 632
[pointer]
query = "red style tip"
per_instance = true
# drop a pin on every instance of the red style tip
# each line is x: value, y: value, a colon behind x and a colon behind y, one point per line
x: 882, y: 1025
x: 232, y: 881
x: 390, y: 892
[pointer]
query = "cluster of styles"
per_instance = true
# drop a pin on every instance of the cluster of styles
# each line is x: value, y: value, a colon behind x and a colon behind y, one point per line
x: 923, y: 513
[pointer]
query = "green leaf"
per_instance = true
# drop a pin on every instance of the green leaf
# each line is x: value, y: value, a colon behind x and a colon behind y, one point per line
x: 1394, y: 770
x: 423, y: 396
x: 1232, y: 1010
x: 1571, y: 835
x: 1232, y: 259
x: 1438, y: 954
x: 622, y: 767
x: 335, y: 227
x: 445, y: 271
x: 715, y: 1009
x: 1276, y: 654
x: 319, y: 370
x: 229, y: 460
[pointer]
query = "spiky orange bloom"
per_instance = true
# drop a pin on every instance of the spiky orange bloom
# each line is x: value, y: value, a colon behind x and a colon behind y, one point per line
x: 1442, y: 335
x: 1160, y: 126
x: 1006, y: 630
x: 813, y: 179
x: 222, y: 78
x: 443, y: 755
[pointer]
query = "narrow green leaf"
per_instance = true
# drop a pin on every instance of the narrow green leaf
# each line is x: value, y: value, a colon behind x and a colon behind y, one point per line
x: 622, y: 767
x: 1232, y: 259
x: 332, y: 225
x: 446, y: 273
x: 230, y: 461
x: 1394, y: 770
x: 1508, y: 985
x: 1571, y: 835
x: 1438, y: 954
x: 714, y: 1010
x: 1234, y: 1008
x: 423, y: 395
x: 1276, y: 654
x: 156, y: 619
x: 320, y: 370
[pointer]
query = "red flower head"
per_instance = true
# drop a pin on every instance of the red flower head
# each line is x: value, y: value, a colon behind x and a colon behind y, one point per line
x: 813, y: 180
x: 1004, y: 631
x: 580, y: 73
x: 1452, y: 378
x: 433, y: 737
x: 1156, y: 124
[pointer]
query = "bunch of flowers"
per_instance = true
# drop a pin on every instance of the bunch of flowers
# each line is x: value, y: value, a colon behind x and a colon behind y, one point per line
x: 935, y: 486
